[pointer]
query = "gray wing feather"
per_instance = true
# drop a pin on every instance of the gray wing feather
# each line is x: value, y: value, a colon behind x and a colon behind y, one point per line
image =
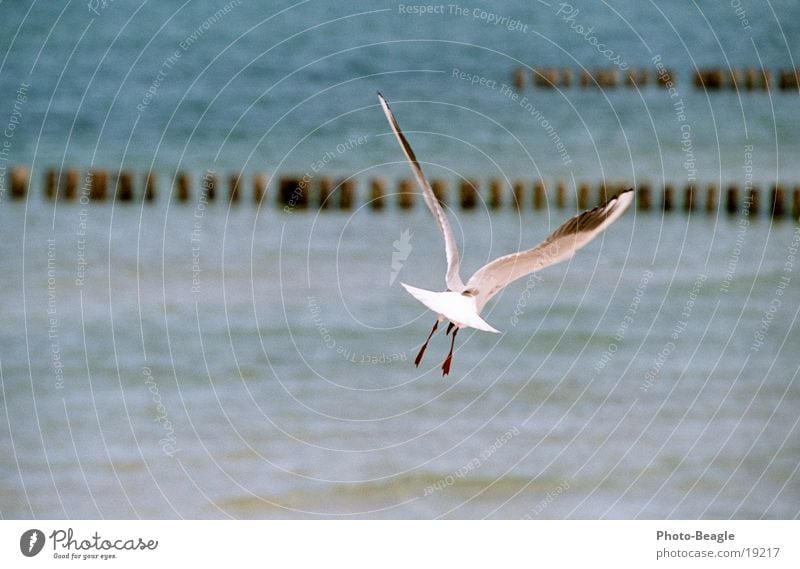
x: 559, y: 246
x: 453, y: 278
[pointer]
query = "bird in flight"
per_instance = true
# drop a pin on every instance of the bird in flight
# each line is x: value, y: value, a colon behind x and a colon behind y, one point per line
x: 461, y: 303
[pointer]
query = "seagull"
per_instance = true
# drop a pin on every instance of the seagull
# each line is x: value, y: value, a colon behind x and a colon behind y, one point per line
x: 462, y: 304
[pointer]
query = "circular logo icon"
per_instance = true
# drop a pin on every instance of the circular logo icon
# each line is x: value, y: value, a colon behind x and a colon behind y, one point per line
x: 31, y: 542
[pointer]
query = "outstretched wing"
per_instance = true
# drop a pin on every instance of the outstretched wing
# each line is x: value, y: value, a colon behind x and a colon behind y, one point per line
x: 453, y: 278
x: 560, y: 246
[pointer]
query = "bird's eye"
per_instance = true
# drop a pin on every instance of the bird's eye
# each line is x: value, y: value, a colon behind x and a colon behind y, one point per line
x: 470, y: 292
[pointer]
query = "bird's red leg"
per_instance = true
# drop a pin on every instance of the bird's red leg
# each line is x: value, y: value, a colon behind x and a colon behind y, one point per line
x: 449, y: 329
x: 425, y: 345
x: 446, y: 364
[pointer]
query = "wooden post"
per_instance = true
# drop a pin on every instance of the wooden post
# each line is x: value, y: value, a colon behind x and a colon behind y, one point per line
x: 325, y: 191
x: 737, y: 79
x: 469, y: 193
x: 757, y: 79
x: 519, y: 78
x: 72, y: 181
x: 539, y: 194
x: 709, y: 79
x: 778, y: 196
x: 124, y: 187
x: 293, y: 192
x: 51, y: 183
x: 711, y: 199
x: 606, y: 77
x: 766, y: 79
x: 234, y: 181
x: 688, y: 204
x: 377, y: 189
x: 99, y: 187
x: 406, y: 194
x: 602, y: 193
x: 495, y: 194
x: 150, y: 186
x: 347, y: 190
x: 796, y: 203
x: 583, y: 196
x: 643, y: 199
x: 732, y: 204
x: 754, y: 195
x: 667, y: 202
x: 665, y: 79
x: 439, y: 188
x: 561, y: 195
x: 18, y: 181
x: 547, y: 78
x: 210, y: 185
x: 518, y: 189
x: 259, y: 187
x: 184, y: 184
x: 789, y: 79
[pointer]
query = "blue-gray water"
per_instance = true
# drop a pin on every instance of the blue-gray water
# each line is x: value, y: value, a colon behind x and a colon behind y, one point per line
x: 244, y: 362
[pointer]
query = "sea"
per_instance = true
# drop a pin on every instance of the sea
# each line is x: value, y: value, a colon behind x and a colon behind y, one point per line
x: 210, y: 359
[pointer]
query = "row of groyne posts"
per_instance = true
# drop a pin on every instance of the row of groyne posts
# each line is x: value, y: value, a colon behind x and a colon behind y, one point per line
x: 711, y: 79
x: 299, y: 192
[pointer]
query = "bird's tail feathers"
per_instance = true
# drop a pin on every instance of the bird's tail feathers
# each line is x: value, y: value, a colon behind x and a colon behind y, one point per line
x: 452, y: 306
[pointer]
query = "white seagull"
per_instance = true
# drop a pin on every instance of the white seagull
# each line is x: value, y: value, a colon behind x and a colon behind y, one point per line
x: 462, y: 304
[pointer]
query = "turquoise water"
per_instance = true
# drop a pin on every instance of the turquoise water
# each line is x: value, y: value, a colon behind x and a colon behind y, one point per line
x: 192, y: 360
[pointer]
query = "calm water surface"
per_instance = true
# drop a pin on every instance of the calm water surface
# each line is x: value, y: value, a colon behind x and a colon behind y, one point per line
x: 184, y: 360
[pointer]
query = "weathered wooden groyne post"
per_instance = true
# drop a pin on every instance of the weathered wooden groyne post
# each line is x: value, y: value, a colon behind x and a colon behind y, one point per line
x: 518, y: 191
x: 732, y: 201
x: 711, y: 199
x: 644, y: 198
x: 99, y: 185
x: 796, y: 203
x: 468, y: 191
x: 789, y: 79
x: 539, y: 194
x: 778, y: 208
x: 546, y: 77
x: 71, y: 182
x: 234, y: 182
x: 293, y: 192
x: 377, y: 189
x: 18, y: 182
x: 602, y: 193
x: 583, y: 196
x: 439, y: 188
x: 259, y: 187
x: 325, y: 192
x: 51, y: 183
x: 405, y: 194
x: 688, y: 202
x: 150, y: 186
x: 183, y: 183
x: 667, y: 201
x: 753, y: 198
x: 561, y: 195
x: 124, y: 186
x: 347, y: 193
x: 495, y: 193
x: 519, y: 78
x: 210, y: 186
